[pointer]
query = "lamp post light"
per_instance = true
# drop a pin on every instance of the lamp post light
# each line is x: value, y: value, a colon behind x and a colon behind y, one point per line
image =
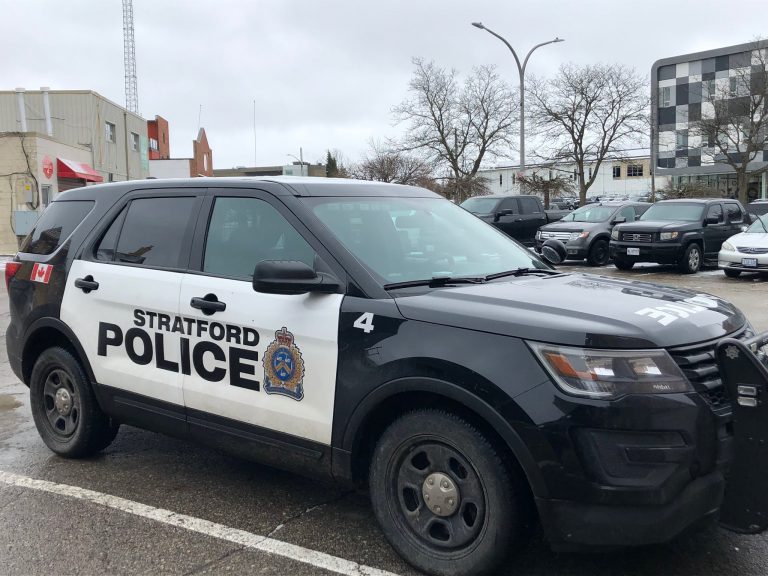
x: 301, y: 160
x: 521, y: 71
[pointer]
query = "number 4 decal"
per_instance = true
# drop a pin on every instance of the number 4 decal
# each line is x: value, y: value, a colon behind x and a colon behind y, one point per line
x: 365, y: 322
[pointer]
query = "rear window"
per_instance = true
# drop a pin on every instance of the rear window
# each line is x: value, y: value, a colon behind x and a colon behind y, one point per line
x: 56, y: 225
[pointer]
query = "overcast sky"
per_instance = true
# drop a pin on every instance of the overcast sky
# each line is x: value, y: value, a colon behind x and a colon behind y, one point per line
x: 325, y: 74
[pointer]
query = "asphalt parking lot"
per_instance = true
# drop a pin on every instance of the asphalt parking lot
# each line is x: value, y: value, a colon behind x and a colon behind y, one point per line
x: 152, y: 504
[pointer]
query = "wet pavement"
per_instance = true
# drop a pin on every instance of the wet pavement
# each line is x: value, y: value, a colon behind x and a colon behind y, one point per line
x: 47, y: 533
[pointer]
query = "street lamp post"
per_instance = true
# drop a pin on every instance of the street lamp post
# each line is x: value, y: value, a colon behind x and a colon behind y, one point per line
x: 521, y: 71
x: 301, y: 160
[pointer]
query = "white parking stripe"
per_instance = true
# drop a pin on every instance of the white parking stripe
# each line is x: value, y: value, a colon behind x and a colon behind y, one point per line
x: 239, y: 537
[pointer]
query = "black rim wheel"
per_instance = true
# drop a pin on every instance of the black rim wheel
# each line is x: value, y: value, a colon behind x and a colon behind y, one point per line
x: 440, y: 498
x: 61, y: 403
x: 600, y: 253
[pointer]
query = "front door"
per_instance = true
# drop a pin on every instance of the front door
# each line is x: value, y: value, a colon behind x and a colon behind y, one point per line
x: 125, y: 289
x: 265, y: 360
x: 716, y: 233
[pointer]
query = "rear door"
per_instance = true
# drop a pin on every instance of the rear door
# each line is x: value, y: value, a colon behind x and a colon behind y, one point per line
x: 509, y: 223
x: 531, y: 218
x: 264, y: 360
x: 122, y: 295
x: 717, y: 233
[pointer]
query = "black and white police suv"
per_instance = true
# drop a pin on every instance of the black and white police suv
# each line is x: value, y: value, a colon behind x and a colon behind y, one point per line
x: 380, y: 334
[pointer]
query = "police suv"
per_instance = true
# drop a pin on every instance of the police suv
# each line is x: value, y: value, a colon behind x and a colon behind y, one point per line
x: 380, y: 335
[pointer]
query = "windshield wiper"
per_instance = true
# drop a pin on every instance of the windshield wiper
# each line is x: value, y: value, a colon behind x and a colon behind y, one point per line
x: 521, y: 272
x: 436, y: 282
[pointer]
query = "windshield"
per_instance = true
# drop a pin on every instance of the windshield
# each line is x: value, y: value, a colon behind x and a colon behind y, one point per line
x: 480, y: 205
x: 407, y: 239
x: 674, y: 211
x: 759, y: 226
x: 590, y: 214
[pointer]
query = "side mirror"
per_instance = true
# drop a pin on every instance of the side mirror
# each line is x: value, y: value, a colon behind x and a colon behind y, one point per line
x: 711, y: 220
x: 501, y: 213
x: 292, y: 277
x: 619, y: 220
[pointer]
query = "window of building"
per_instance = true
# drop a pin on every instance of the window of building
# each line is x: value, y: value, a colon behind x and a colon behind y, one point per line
x: 575, y: 175
x: 666, y: 96
x: 708, y: 90
x: 154, y: 230
x: 590, y: 173
x: 500, y: 179
x: 617, y: 171
x: 245, y: 231
x: 550, y: 174
x: 681, y: 140
x: 110, y: 135
x: 634, y: 170
x: 45, y: 194
x: 134, y: 142
x: 513, y: 179
x: 153, y: 144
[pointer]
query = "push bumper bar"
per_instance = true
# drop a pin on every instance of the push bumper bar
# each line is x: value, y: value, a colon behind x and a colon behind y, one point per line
x: 743, y: 367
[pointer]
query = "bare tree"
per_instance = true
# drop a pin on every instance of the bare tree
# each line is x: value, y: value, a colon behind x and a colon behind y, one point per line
x: 587, y: 113
x: 734, y: 118
x: 693, y: 189
x: 388, y: 164
x: 549, y: 189
x: 455, y: 127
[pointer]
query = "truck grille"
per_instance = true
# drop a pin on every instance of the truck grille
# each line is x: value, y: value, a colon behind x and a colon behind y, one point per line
x: 698, y: 364
x: 637, y: 237
x: 565, y: 236
x: 745, y: 250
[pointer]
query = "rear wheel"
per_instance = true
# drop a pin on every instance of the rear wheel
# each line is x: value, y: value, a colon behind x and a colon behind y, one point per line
x: 598, y: 253
x: 691, y: 260
x: 443, y: 496
x: 622, y: 264
x: 732, y: 273
x: 64, y: 408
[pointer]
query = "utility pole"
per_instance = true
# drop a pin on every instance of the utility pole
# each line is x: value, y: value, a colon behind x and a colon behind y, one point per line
x: 129, y: 59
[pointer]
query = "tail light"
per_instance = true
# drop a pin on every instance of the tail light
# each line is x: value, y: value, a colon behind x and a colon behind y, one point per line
x: 10, y: 271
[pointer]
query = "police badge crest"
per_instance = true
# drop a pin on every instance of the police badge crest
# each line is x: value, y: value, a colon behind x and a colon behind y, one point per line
x: 283, y: 366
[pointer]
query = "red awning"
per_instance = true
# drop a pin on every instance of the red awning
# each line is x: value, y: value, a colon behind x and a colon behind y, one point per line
x: 80, y: 170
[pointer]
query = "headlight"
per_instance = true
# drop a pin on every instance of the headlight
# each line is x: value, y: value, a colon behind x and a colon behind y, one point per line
x: 668, y: 235
x: 614, y: 234
x: 611, y: 373
x: 728, y: 246
x: 577, y: 235
x: 538, y: 234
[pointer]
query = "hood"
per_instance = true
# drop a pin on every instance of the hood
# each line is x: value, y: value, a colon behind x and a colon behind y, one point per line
x: 579, y: 310
x: 571, y: 226
x: 656, y: 225
x: 750, y: 240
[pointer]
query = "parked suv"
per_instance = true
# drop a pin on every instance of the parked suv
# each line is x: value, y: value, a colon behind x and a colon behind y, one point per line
x: 382, y: 336
x: 586, y: 231
x: 681, y: 232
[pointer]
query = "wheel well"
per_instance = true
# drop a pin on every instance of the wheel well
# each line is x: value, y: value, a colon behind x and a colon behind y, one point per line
x: 395, y: 406
x: 41, y: 340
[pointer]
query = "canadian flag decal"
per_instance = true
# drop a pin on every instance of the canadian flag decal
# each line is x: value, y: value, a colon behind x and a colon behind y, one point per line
x: 41, y: 273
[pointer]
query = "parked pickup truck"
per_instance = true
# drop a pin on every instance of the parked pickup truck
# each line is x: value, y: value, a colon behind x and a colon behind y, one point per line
x: 517, y: 216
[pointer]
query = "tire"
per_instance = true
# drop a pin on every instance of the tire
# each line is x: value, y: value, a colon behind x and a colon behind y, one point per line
x: 732, y: 273
x: 690, y: 263
x: 623, y: 264
x: 598, y: 253
x: 489, y: 514
x: 71, y: 422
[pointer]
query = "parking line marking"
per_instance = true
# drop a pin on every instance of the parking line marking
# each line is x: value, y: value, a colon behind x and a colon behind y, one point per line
x: 205, y: 527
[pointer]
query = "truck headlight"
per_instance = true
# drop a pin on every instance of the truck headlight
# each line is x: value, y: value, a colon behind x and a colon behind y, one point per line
x: 614, y: 234
x: 538, y: 234
x: 577, y: 235
x: 668, y: 235
x: 611, y: 374
x: 728, y: 246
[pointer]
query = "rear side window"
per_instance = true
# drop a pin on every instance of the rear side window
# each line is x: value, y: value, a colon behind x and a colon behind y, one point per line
x: 150, y: 232
x: 529, y: 206
x: 735, y: 215
x: 716, y: 211
x: 55, y: 226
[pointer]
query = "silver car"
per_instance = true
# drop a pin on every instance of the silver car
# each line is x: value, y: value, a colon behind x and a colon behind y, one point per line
x: 746, y: 252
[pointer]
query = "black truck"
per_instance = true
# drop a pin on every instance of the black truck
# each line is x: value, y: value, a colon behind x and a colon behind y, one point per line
x: 382, y: 336
x: 517, y: 216
x: 681, y: 232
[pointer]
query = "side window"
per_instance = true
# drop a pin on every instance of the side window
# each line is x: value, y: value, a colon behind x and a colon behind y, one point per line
x: 153, y: 232
x: 245, y: 231
x: 735, y: 215
x: 509, y: 204
x: 716, y: 211
x: 55, y: 226
x: 627, y: 212
x: 529, y: 206
x: 108, y: 243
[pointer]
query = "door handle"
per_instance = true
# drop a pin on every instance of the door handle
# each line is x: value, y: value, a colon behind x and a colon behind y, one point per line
x: 86, y: 284
x: 208, y: 304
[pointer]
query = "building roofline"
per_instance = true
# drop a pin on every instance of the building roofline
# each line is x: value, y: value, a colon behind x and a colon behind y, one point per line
x: 706, y: 54
x: 92, y: 92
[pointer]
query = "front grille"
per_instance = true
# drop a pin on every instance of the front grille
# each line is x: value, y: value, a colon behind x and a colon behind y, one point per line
x: 557, y: 235
x: 745, y: 250
x: 637, y: 237
x: 700, y: 367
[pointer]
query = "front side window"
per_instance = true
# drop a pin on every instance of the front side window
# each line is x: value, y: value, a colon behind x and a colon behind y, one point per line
x: 244, y: 231
x: 55, y: 226
x: 627, y: 212
x: 480, y: 205
x: 152, y: 233
x: 406, y: 239
x: 674, y: 211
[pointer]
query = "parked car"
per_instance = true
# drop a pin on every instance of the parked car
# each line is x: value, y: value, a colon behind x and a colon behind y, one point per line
x: 586, y: 232
x: 517, y: 216
x: 758, y: 207
x: 681, y: 232
x: 747, y: 251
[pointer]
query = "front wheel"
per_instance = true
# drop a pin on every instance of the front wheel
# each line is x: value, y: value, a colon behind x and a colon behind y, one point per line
x: 598, y: 253
x: 691, y: 260
x: 66, y: 414
x: 443, y: 496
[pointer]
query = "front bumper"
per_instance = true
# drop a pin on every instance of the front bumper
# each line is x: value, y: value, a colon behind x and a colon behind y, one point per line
x: 732, y: 260
x: 659, y: 252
